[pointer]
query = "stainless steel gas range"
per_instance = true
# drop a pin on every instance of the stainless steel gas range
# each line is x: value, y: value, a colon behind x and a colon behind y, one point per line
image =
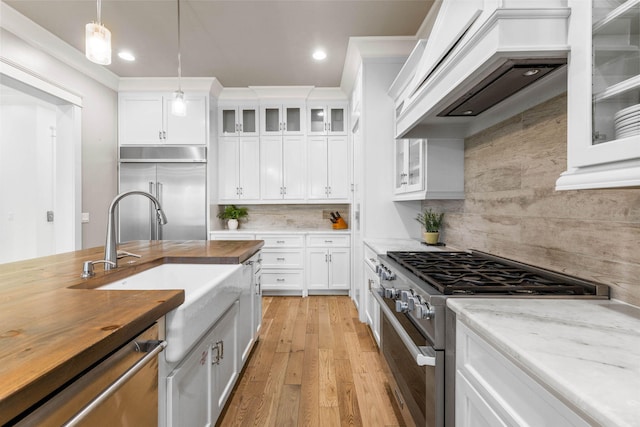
x: 418, y: 332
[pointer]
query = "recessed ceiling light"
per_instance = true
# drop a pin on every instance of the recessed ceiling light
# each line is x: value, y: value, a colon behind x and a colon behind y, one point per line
x: 319, y: 55
x: 531, y: 72
x: 126, y: 55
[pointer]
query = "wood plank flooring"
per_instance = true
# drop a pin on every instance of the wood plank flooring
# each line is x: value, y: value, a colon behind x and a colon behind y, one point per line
x: 315, y: 365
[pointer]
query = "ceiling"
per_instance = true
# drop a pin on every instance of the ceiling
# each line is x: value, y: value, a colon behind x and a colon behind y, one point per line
x: 240, y: 42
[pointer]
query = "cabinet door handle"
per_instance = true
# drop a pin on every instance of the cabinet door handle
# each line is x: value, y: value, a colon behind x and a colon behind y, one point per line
x: 164, y: 134
x: 221, y: 349
x: 284, y: 189
x: 326, y: 258
x: 329, y: 257
x: 241, y: 191
x: 159, y: 134
x: 329, y: 190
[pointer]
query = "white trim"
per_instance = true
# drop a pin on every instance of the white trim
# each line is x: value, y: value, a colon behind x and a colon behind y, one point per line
x: 30, y: 78
x: 45, y: 41
x: 624, y: 174
x: 167, y: 84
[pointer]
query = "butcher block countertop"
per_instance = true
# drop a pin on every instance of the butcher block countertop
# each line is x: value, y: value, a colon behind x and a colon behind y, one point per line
x: 53, y: 325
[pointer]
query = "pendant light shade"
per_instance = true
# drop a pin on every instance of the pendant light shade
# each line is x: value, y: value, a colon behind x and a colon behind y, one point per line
x: 178, y: 106
x: 98, y: 41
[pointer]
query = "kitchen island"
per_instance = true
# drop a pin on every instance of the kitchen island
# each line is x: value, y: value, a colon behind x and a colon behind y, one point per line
x: 54, y: 325
x: 584, y: 353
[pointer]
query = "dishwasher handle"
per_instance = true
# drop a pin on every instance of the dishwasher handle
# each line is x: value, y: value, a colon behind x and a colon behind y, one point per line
x: 153, y: 348
x: 423, y: 355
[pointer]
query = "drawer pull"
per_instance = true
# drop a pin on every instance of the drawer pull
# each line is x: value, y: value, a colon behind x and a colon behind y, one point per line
x: 280, y: 259
x: 279, y: 280
x: 280, y: 241
x: 328, y: 241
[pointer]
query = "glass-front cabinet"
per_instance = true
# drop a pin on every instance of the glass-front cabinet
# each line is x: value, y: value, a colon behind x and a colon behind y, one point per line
x: 327, y: 120
x: 603, y: 95
x: 238, y: 120
x: 282, y: 119
x: 409, y: 169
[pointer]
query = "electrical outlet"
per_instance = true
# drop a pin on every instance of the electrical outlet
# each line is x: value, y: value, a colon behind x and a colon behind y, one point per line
x: 85, y: 217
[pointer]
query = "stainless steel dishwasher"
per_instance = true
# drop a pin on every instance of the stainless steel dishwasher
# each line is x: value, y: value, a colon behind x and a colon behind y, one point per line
x: 121, y: 390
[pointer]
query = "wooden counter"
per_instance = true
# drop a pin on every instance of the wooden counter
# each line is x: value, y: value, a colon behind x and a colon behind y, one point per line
x: 53, y: 325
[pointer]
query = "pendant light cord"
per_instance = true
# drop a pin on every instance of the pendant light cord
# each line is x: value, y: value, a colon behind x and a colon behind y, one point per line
x: 99, y: 7
x: 179, y: 59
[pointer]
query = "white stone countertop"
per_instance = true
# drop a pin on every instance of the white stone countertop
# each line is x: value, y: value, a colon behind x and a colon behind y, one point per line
x: 283, y: 231
x: 587, y: 352
x: 382, y: 246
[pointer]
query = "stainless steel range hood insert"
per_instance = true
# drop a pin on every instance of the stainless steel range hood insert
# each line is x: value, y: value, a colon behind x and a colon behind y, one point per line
x: 513, y: 76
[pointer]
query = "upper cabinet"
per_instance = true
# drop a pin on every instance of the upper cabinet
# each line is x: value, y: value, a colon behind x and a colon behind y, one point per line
x: 238, y: 120
x: 146, y: 119
x: 603, y: 104
x: 327, y: 119
x: 282, y: 119
x: 429, y: 169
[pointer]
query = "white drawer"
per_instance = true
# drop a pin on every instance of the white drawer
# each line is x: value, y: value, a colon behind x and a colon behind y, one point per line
x: 281, y: 240
x: 282, y: 258
x: 370, y: 256
x: 328, y: 240
x: 282, y: 280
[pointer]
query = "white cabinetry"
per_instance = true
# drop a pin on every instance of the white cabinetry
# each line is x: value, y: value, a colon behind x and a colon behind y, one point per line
x: 328, y: 168
x: 603, y: 107
x: 238, y: 168
x: 492, y: 391
x: 199, y: 387
x: 146, y: 119
x: 282, y: 263
x: 282, y: 119
x: 236, y: 120
x: 372, y: 284
x: 429, y: 169
x: 327, y: 119
x: 328, y: 262
x: 282, y: 168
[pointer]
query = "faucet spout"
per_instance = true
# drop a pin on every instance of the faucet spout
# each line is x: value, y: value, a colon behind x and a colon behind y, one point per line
x: 111, y: 244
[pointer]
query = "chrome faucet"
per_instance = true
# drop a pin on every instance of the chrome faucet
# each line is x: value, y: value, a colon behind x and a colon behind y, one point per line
x: 111, y: 245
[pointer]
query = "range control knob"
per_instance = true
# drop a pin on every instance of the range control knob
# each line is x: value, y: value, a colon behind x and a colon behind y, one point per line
x: 405, y: 295
x: 423, y: 311
x: 391, y: 293
x: 401, y: 306
x: 413, y: 301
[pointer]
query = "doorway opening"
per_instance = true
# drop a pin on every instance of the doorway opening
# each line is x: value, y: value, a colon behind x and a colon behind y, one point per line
x: 38, y: 172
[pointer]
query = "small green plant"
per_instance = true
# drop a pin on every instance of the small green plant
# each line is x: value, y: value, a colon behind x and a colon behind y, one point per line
x: 431, y: 221
x: 233, y: 212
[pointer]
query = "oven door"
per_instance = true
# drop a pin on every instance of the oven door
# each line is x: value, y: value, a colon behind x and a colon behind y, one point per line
x: 417, y: 368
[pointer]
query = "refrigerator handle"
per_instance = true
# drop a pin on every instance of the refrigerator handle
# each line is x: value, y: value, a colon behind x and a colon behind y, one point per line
x: 156, y: 219
x: 153, y: 230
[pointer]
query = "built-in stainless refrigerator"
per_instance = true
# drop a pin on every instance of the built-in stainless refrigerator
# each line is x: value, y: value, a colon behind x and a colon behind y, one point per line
x: 177, y: 176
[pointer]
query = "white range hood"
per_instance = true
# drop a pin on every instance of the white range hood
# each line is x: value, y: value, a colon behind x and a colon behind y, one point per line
x: 485, y: 61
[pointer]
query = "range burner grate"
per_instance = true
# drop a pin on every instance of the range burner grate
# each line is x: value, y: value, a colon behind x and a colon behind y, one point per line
x: 479, y: 273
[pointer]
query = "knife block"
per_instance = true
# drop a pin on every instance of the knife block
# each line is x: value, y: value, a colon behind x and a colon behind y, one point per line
x: 340, y: 224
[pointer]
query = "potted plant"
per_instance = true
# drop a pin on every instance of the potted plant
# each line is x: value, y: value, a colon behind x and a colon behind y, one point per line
x: 431, y: 221
x: 232, y: 214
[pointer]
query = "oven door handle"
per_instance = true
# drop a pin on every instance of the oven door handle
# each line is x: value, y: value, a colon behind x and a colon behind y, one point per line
x: 423, y: 355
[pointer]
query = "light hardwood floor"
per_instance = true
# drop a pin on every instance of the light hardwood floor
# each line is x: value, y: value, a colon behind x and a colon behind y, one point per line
x: 315, y: 365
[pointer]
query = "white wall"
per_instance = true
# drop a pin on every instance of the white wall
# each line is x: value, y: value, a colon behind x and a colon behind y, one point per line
x: 98, y: 128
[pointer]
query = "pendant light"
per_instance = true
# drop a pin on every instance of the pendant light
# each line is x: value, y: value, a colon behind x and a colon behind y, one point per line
x: 179, y: 106
x: 98, y: 40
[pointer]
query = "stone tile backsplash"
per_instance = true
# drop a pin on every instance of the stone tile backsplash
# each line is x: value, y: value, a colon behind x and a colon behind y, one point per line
x: 511, y: 207
x: 282, y: 217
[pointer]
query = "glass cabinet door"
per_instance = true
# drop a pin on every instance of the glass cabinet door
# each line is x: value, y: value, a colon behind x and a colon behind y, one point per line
x: 400, y: 180
x: 616, y: 70
x: 272, y: 122
x: 317, y: 120
x: 337, y: 122
x: 414, y: 179
x: 293, y: 120
x: 228, y: 121
x: 249, y: 123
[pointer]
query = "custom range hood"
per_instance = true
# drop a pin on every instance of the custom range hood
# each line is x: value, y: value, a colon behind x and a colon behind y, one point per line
x: 484, y: 61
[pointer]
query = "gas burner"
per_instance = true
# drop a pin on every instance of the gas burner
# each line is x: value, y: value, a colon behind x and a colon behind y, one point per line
x: 468, y: 273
